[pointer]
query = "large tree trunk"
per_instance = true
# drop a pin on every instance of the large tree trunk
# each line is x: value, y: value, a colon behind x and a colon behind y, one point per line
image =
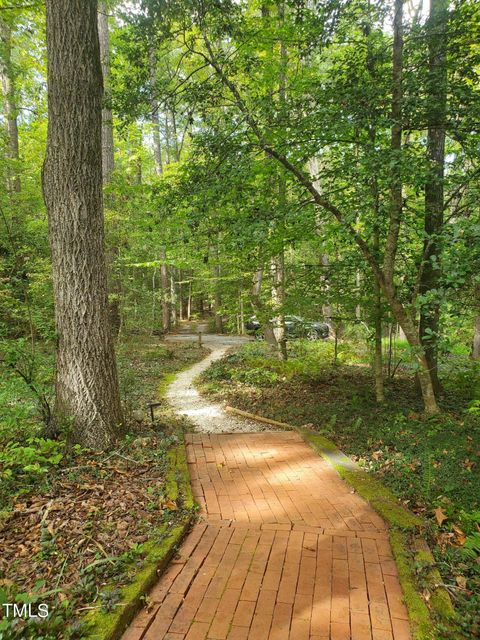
x: 108, y: 161
x: 86, y: 384
x: 434, y: 186
x: 8, y: 87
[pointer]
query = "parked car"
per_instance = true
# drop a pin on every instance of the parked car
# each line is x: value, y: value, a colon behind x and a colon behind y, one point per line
x: 295, y: 327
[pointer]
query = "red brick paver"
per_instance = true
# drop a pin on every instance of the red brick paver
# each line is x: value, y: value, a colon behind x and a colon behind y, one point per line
x: 284, y: 551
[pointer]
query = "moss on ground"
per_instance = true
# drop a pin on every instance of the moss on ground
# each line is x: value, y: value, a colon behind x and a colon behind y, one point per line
x: 421, y: 623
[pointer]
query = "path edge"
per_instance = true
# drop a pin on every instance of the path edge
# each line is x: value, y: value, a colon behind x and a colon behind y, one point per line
x: 405, y: 533
x: 404, y: 529
x: 112, y: 625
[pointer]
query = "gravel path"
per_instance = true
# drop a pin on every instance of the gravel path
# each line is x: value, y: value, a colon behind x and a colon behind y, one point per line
x: 207, y: 416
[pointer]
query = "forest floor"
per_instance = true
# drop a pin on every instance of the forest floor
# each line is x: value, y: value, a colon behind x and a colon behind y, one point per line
x: 72, y: 520
x: 431, y: 464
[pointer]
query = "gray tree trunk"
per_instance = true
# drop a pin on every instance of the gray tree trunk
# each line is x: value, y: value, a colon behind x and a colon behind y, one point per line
x: 108, y: 160
x: 434, y: 186
x: 164, y: 280
x: 8, y: 87
x: 87, y: 394
x: 260, y: 310
x: 377, y: 301
x: 396, y: 213
x: 157, y: 145
x: 218, y: 299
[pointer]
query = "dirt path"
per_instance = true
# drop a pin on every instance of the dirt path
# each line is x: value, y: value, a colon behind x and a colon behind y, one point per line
x: 283, y: 551
x: 207, y: 416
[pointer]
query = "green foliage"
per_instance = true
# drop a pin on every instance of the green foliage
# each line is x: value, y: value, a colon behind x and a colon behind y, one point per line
x: 35, y: 458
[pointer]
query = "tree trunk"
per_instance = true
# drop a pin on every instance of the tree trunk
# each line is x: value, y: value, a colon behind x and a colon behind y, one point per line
x: 241, y: 315
x: 173, y: 297
x: 180, y: 294
x: 157, y: 145
x: 218, y: 300
x: 165, y: 290
x: 139, y: 160
x: 430, y: 281
x: 8, y: 86
x: 176, y: 149
x: 167, y: 138
x: 86, y: 385
x: 189, y: 299
x: 278, y: 300
x: 396, y: 214
x: 261, y: 312
x: 108, y: 161
x: 278, y: 262
x: 377, y: 300
x: 377, y: 303
x: 476, y: 335
x: 476, y: 340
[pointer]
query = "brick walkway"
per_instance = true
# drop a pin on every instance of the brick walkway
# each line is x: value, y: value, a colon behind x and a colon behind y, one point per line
x: 284, y: 551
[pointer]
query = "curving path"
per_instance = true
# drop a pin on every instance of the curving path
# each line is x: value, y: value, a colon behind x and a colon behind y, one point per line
x: 205, y: 415
x: 283, y: 550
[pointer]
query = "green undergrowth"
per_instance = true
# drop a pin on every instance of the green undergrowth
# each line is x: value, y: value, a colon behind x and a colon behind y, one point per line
x: 430, y: 464
x: 28, y: 458
x: 141, y: 485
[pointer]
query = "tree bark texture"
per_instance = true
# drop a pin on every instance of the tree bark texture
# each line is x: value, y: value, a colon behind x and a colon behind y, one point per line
x: 430, y: 282
x: 86, y: 384
x: 8, y: 87
x: 108, y: 160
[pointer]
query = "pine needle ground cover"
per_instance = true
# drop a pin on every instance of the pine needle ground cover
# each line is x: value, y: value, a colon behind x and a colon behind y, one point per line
x: 432, y: 464
x: 73, y: 521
